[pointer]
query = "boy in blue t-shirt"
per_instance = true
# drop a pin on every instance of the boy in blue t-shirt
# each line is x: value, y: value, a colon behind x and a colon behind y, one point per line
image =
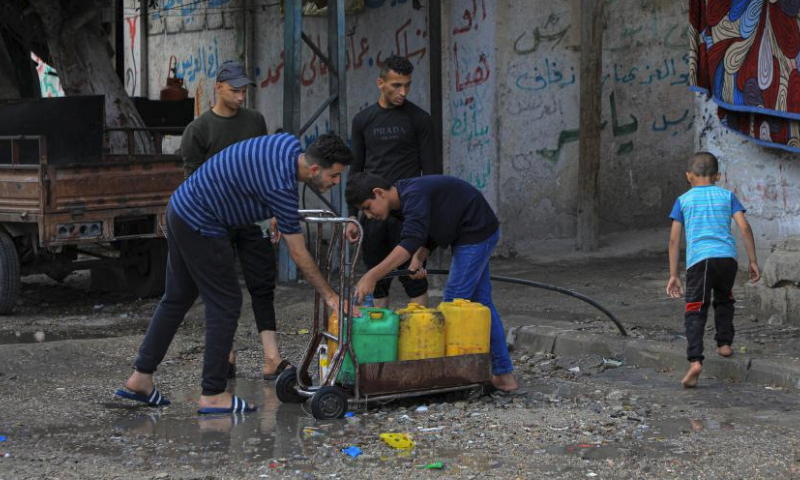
x: 706, y: 211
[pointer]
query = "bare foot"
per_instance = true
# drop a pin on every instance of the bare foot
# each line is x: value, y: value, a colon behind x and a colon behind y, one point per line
x: 725, y: 350
x: 505, y: 382
x: 690, y: 380
x: 140, y: 382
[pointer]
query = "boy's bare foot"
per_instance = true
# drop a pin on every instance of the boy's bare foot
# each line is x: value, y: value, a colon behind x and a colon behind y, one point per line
x: 690, y: 380
x: 505, y: 382
x: 725, y: 350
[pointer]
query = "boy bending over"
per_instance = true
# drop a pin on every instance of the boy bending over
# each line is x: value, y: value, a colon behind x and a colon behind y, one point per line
x: 438, y: 211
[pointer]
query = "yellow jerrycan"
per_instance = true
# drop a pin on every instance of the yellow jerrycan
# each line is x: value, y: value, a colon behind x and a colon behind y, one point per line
x: 467, y: 326
x: 421, y: 333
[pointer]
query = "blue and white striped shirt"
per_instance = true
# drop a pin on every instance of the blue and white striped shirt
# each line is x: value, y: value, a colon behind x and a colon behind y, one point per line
x: 247, y: 182
x: 706, y: 212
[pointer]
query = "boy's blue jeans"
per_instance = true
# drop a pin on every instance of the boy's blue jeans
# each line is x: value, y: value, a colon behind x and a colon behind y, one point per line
x: 469, y: 279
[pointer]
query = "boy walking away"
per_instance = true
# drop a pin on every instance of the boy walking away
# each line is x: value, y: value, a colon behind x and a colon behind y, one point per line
x: 706, y: 211
x: 438, y: 210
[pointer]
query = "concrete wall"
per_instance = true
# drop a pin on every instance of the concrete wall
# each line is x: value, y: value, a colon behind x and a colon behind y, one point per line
x: 514, y: 129
x: 511, y: 94
x: 766, y: 180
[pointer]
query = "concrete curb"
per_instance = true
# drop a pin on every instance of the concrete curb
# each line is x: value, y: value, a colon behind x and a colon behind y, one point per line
x: 564, y: 339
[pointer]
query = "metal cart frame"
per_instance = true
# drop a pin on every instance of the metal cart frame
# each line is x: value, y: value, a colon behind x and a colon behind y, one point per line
x: 374, y: 382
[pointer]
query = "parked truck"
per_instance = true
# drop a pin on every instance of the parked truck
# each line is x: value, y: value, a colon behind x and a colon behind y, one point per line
x: 67, y: 202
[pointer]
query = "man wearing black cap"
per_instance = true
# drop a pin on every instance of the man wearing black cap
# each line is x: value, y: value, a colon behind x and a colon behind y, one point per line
x: 225, y: 124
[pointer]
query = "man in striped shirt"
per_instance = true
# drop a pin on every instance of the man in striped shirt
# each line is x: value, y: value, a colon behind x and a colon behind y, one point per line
x: 705, y: 211
x: 247, y: 182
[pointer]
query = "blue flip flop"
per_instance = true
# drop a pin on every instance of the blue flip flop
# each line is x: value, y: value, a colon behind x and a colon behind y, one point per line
x: 237, y: 405
x: 154, y: 399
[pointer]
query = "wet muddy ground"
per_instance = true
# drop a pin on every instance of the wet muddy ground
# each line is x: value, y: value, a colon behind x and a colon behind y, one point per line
x: 65, y: 350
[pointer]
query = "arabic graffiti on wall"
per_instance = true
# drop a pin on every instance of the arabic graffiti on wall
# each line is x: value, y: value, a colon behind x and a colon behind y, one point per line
x: 409, y: 40
x: 542, y: 80
x: 202, y: 62
x: 131, y: 68
x: 472, y: 105
x: 551, y: 72
x: 661, y: 124
x: 187, y: 8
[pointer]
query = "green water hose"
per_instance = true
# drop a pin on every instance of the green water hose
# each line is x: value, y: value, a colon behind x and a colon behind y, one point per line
x: 531, y: 283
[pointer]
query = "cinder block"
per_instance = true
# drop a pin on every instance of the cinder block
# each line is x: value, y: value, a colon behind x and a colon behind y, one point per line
x: 783, y: 265
x: 155, y: 25
x: 214, y: 20
x: 195, y: 22
x: 173, y: 24
x: 783, y: 301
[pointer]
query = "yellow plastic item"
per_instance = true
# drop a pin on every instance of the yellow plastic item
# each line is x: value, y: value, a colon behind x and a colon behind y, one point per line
x: 421, y: 333
x: 467, y: 326
x: 333, y: 327
x: 397, y: 440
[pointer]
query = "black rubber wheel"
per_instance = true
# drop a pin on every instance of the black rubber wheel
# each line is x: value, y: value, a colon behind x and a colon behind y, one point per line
x: 9, y: 274
x: 285, y: 387
x: 328, y: 403
x: 146, y: 270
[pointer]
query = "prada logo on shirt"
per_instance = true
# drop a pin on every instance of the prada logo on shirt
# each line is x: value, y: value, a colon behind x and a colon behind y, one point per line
x: 389, y: 133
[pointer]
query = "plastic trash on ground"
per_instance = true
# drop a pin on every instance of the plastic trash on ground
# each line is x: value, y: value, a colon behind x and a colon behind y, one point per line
x: 352, y: 450
x: 432, y: 466
x: 397, y: 440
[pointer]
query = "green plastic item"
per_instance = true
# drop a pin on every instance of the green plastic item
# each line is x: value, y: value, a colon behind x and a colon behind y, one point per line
x: 374, y: 340
x: 432, y: 466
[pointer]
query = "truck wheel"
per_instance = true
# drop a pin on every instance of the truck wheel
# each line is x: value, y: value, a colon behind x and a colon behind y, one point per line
x: 146, y: 266
x: 9, y: 274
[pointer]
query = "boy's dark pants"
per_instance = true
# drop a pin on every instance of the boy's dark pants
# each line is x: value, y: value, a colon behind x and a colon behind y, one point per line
x: 712, y: 275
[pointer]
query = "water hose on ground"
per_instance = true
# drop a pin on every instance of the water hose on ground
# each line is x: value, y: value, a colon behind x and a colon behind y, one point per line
x: 531, y: 283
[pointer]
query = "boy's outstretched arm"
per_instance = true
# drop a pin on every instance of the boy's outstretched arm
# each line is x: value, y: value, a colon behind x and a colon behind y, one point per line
x: 396, y: 257
x: 674, y: 285
x: 749, y: 244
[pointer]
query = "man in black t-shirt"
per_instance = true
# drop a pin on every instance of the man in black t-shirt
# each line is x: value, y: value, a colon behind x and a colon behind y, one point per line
x: 392, y: 139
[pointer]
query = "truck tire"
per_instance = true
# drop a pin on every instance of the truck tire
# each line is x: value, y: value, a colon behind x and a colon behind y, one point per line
x: 146, y: 274
x: 9, y: 274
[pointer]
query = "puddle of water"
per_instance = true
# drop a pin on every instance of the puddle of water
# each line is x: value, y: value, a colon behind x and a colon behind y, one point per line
x: 286, y: 434
x: 40, y: 337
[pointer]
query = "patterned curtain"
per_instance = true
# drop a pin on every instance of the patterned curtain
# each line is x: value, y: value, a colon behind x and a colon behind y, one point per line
x: 744, y: 54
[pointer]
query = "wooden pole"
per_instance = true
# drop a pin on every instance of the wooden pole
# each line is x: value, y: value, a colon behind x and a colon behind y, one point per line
x: 588, y: 237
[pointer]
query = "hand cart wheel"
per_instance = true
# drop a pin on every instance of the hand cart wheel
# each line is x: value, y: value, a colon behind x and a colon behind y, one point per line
x: 328, y: 403
x: 285, y: 386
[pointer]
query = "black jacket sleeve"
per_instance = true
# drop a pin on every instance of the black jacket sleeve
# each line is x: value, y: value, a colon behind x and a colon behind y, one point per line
x: 359, y: 153
x: 427, y: 149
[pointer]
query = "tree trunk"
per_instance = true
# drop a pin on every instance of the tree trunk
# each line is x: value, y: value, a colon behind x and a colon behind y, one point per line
x: 8, y: 83
x: 588, y: 237
x: 81, y: 56
x: 18, y: 77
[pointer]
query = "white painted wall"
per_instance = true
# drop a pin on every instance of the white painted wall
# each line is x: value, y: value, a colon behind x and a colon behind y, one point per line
x: 527, y: 163
x: 766, y: 180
